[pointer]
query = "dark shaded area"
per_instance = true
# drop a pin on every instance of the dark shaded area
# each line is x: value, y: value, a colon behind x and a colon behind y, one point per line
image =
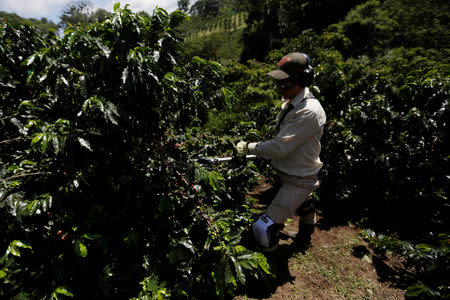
x: 279, y: 265
x: 270, y: 22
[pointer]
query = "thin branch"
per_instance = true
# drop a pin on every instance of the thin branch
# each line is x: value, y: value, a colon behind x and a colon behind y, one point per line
x: 7, y: 117
x: 25, y: 175
x: 14, y: 139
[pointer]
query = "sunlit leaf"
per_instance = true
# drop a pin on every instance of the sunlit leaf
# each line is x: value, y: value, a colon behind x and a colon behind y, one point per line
x: 14, y: 246
x: 63, y: 291
x: 84, y: 143
x: 239, y: 272
x: 104, y: 48
x: 80, y: 248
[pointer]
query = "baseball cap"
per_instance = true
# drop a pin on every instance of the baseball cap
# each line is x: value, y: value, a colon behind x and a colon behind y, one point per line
x: 289, y: 65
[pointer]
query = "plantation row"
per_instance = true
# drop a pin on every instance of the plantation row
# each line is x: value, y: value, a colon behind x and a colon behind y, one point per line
x: 217, y: 24
x: 385, y: 89
x: 99, y: 194
x: 234, y: 22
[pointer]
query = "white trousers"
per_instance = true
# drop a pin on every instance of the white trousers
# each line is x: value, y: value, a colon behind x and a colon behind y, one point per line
x: 293, y: 192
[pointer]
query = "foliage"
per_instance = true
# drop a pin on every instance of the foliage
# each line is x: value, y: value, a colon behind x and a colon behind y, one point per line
x: 81, y: 11
x: 207, y: 46
x: 215, y: 36
x: 99, y: 190
x: 427, y: 266
x: 387, y: 106
x: 206, y: 8
x: 271, y: 22
x: 43, y: 25
x: 183, y: 5
x: 372, y: 102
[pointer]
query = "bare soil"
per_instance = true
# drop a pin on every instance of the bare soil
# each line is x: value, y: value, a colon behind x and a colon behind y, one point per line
x: 337, y: 265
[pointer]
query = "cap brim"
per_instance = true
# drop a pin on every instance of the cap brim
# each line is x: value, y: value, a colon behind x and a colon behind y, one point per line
x: 278, y: 75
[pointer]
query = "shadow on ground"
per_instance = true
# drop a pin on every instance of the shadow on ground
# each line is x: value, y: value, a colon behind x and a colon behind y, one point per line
x: 332, y: 215
x: 279, y: 265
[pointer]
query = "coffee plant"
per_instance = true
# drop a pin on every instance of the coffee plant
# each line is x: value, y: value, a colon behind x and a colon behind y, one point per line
x: 385, y: 143
x: 101, y: 195
x: 427, y: 266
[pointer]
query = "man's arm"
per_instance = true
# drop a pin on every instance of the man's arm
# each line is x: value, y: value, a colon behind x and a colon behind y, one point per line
x: 303, y: 125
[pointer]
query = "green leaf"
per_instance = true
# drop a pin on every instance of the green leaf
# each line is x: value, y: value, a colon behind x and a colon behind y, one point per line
x: 64, y: 80
x: 229, y: 276
x: 21, y: 244
x: 111, y: 113
x: 30, y: 60
x: 56, y: 144
x: 26, y: 103
x: 239, y: 272
x: 104, y: 48
x: 188, y: 244
x: 124, y: 75
x: 116, y: 6
x: 32, y: 207
x: 85, y: 143
x: 3, y: 273
x: 177, y: 18
x: 68, y: 29
x: 37, y: 138
x: 198, y: 60
x: 80, y: 248
x: 90, y: 236
x: 63, y: 291
x: 421, y: 290
x: 229, y: 96
x: 72, y: 39
x: 83, y: 86
x: 13, y: 250
x: 14, y: 246
x: 44, y: 142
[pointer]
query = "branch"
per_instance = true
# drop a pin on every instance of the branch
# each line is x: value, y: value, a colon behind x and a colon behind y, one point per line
x: 25, y: 175
x: 8, y: 117
x: 14, y: 139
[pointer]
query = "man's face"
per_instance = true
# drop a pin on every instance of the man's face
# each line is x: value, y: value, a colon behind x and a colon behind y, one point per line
x: 288, y: 88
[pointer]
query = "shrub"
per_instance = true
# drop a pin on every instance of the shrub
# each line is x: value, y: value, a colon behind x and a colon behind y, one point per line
x: 99, y: 194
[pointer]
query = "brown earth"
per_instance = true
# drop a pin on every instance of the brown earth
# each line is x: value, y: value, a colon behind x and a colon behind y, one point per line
x: 338, y: 265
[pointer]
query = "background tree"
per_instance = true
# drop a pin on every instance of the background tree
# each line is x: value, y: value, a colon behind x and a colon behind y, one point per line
x: 205, y: 8
x: 5, y: 16
x: 77, y: 11
x: 98, y: 15
x: 183, y: 5
x: 43, y: 25
x: 81, y: 11
x: 270, y: 22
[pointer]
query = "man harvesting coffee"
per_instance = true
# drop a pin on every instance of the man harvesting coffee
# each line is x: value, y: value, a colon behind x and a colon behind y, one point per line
x: 294, y: 152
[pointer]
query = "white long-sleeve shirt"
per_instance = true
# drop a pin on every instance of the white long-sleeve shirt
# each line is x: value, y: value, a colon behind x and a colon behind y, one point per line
x: 296, y: 147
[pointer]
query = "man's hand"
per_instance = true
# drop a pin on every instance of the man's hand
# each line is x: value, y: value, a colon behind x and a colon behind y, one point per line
x: 241, y: 148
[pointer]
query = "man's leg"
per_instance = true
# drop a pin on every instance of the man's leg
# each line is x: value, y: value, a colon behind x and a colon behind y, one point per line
x: 306, y: 224
x: 291, y: 195
x: 266, y: 233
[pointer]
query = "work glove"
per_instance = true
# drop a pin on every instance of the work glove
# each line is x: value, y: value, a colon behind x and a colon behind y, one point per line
x: 242, y: 149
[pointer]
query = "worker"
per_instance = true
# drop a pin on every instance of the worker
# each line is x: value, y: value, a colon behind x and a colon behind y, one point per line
x: 294, y: 153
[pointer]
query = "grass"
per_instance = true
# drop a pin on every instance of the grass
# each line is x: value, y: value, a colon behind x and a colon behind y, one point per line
x: 331, y: 269
x: 338, y: 265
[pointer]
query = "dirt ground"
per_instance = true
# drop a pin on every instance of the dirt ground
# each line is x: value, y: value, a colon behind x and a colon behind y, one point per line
x: 337, y: 265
